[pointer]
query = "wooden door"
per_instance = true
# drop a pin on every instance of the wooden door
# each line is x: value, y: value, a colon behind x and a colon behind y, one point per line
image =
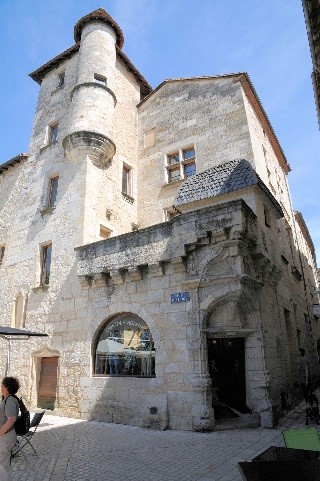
x: 48, y: 382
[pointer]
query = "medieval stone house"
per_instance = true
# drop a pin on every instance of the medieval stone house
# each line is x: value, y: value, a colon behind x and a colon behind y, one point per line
x: 150, y: 233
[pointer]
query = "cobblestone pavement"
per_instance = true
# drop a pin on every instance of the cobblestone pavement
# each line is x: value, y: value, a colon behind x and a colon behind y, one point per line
x: 76, y: 450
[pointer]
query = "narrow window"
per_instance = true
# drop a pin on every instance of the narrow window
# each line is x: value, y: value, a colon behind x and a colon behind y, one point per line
x: 127, y: 180
x: 189, y: 162
x: 53, y: 134
x: 267, y: 217
x: 174, y: 167
x: 46, y: 264
x: 53, y: 189
x: 2, y: 249
x: 100, y: 79
x: 61, y: 78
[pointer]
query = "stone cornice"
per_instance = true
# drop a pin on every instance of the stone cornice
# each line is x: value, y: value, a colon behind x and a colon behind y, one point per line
x: 95, y: 85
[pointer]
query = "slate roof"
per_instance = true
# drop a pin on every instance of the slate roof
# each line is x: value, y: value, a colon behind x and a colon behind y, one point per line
x: 228, y: 177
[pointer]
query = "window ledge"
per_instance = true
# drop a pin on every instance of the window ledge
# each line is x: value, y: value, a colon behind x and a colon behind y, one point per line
x: 127, y: 198
x: 47, y: 210
x: 45, y: 147
x: 43, y: 288
x: 58, y: 89
x: 173, y: 184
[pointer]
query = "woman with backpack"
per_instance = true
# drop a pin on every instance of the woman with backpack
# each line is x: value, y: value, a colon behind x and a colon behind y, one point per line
x: 9, y: 410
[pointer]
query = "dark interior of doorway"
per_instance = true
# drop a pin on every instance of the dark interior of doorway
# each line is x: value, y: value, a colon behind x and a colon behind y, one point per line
x: 226, y: 357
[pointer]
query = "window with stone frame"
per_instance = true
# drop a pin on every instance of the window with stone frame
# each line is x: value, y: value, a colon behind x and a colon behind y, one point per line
x: 52, y: 191
x: 124, y: 347
x: 181, y: 164
x: 46, y: 252
x: 127, y: 180
x: 2, y: 250
x: 53, y: 133
x: 100, y: 79
x: 61, y: 79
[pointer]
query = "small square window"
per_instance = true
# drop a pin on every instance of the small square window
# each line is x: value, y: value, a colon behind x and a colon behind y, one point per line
x: 53, y: 190
x: 189, y: 169
x: 105, y: 232
x: 170, y: 214
x: 46, y: 252
x: 2, y: 249
x: 127, y: 180
x: 188, y: 154
x: 53, y: 134
x: 174, y: 174
x: 173, y: 158
x: 100, y: 79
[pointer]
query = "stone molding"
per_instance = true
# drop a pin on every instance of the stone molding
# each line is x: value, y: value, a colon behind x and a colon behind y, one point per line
x: 95, y: 84
x: 99, y: 148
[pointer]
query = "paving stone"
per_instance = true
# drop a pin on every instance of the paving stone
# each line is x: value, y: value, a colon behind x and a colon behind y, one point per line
x: 76, y: 450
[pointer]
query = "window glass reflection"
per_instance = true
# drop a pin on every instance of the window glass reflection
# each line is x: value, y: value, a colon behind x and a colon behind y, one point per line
x: 125, y: 348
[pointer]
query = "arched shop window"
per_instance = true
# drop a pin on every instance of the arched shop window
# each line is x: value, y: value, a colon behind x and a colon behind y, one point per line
x: 125, y: 348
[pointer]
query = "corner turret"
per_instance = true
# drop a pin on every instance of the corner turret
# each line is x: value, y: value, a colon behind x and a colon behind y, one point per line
x: 90, y: 129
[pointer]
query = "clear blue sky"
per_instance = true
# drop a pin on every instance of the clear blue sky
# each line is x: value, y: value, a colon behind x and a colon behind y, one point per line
x: 179, y: 38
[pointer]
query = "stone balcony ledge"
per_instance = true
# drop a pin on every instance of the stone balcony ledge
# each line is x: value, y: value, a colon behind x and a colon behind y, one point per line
x: 168, y: 241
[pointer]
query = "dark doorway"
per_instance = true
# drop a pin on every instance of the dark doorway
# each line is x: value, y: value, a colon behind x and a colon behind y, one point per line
x: 48, y: 382
x: 226, y: 357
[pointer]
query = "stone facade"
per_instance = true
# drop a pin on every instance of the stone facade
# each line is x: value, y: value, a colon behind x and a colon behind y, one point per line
x: 311, y: 10
x: 165, y: 209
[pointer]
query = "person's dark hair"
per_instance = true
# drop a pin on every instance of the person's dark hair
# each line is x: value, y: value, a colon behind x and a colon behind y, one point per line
x: 11, y: 383
x: 302, y: 351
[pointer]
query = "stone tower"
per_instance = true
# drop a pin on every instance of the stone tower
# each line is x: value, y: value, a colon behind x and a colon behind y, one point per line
x: 91, y: 120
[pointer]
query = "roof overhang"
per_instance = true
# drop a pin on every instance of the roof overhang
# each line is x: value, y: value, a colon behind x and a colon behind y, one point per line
x: 12, y: 162
x: 13, y: 333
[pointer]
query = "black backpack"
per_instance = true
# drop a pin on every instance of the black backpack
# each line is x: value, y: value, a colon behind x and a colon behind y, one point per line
x: 22, y: 424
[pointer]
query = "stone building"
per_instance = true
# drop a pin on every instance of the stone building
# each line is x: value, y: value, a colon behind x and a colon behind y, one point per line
x: 311, y: 9
x: 151, y: 234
